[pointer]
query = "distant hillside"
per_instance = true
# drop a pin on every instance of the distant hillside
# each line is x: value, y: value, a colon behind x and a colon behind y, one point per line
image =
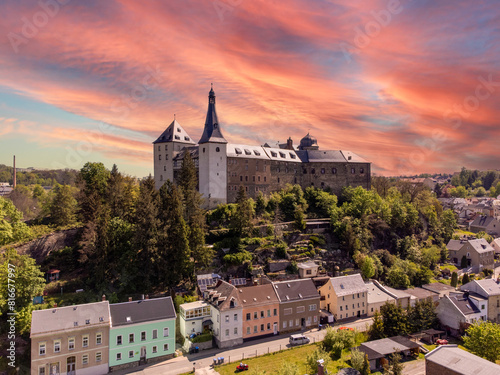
x: 41, y: 177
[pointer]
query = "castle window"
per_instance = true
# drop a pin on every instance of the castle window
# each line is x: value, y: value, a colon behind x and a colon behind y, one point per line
x: 313, y: 171
x: 353, y: 170
x: 322, y: 184
x: 295, y: 180
x: 253, y: 178
x: 159, y: 148
x: 278, y: 169
x: 278, y: 180
x: 177, y: 137
x: 203, y: 149
x: 159, y: 157
x: 166, y: 148
x: 334, y: 170
x: 304, y: 171
x: 265, y: 178
x: 282, y: 154
x: 293, y: 156
x: 241, y: 178
x: 256, y: 152
x: 238, y: 151
x: 246, y: 178
x: 217, y: 149
x: 258, y: 178
x: 361, y: 170
x: 164, y: 168
x: 246, y: 167
x: 161, y: 177
x: 322, y: 170
x: 247, y: 152
x: 166, y: 157
x: 186, y: 139
x: 246, y: 188
x: 274, y: 154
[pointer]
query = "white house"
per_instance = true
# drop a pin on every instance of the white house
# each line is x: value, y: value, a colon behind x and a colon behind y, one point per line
x: 456, y: 309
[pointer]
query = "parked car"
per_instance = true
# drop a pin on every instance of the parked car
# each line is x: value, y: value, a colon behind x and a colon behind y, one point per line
x: 299, y: 339
x: 241, y: 367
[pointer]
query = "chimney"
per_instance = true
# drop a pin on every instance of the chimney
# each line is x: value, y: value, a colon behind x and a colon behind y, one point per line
x: 289, y: 143
x: 14, y: 182
x: 103, y: 298
x: 321, y: 368
x: 147, y: 296
x: 130, y: 299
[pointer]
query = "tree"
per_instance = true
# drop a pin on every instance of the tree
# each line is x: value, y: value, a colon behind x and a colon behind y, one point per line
x: 463, y: 262
x: 483, y: 339
x: 300, y: 222
x: 394, y: 319
x: 368, y: 267
x: 397, y: 278
x: 454, y: 279
x: 422, y: 316
x: 244, y: 213
x: 395, y: 367
x: 288, y: 368
x: 376, y: 330
x: 365, y: 370
x: 357, y: 359
x: 93, y: 179
x: 465, y: 279
x: 12, y: 228
x: 313, y: 358
x: 63, y: 206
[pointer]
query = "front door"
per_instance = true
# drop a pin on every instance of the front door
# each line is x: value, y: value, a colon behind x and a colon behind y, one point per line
x: 54, y: 368
x: 143, y: 356
x: 70, y: 365
x: 328, y: 307
x: 275, y: 328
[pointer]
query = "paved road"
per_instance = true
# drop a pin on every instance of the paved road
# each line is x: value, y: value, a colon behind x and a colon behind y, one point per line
x: 416, y: 367
x: 202, y: 361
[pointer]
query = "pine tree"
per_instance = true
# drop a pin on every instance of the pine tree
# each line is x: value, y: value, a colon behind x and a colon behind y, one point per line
x: 463, y: 262
x: 465, y: 279
x: 242, y: 221
x: 454, y: 279
x: 376, y: 330
x: 365, y: 370
x: 174, y: 263
x: 63, y: 206
x: 394, y: 319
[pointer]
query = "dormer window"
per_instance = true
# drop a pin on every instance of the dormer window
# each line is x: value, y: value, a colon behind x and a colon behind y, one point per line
x: 247, y: 152
x: 87, y: 321
x: 238, y: 151
x: 186, y: 139
x: 256, y: 152
x: 282, y: 154
x: 178, y: 130
x: 177, y: 137
x: 293, y: 156
x: 274, y: 154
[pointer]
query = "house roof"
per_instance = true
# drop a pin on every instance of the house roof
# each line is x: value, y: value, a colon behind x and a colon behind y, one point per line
x: 461, y: 362
x: 295, y: 290
x: 481, y: 245
x: 307, y: 265
x: 463, y: 303
x: 420, y: 293
x: 482, y: 221
x: 141, y: 311
x: 489, y: 286
x: 345, y: 285
x: 174, y: 133
x: 455, y: 245
x: 397, y: 292
x: 70, y: 317
x: 223, y: 296
x: 376, y: 295
x: 380, y: 348
x: 257, y: 295
x: 193, y: 305
x: 438, y: 287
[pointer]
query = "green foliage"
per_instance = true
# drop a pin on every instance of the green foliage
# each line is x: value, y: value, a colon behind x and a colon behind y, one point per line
x: 242, y: 220
x: 357, y: 359
x: 365, y: 370
x: 337, y: 350
x: 12, y: 228
x: 345, y: 337
x: 368, y: 267
x: 422, y: 316
x: 204, y: 337
x: 321, y: 204
x: 299, y: 219
x: 481, y: 333
x: 288, y: 368
x: 281, y: 250
x: 463, y: 262
x: 238, y: 259
x: 465, y: 278
x: 63, y: 206
x: 394, y: 320
x: 454, y: 279
x: 313, y: 358
x: 395, y: 367
x: 397, y: 277
x: 376, y: 330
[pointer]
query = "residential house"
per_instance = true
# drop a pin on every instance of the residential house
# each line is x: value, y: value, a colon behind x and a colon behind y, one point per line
x: 451, y: 360
x: 379, y: 351
x: 226, y: 312
x: 141, y: 332
x: 456, y: 310
x: 439, y: 288
x: 345, y: 296
x: 377, y: 297
x: 260, y: 311
x: 420, y: 294
x: 402, y: 298
x: 194, y: 317
x: 299, y: 304
x: 478, y: 253
x: 486, y: 224
x: 490, y: 289
x: 495, y: 244
x: 70, y: 340
x: 308, y: 269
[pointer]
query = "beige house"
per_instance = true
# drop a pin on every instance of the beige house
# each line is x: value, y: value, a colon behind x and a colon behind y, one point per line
x: 486, y: 224
x: 490, y: 289
x: 377, y: 297
x: 478, y: 253
x: 345, y: 296
x: 70, y: 340
x: 308, y: 269
x: 495, y: 244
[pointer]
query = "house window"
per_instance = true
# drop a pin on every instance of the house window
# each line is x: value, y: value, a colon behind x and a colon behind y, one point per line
x: 227, y: 332
x: 165, y: 332
x: 284, y: 324
x: 57, y: 346
x: 290, y: 323
x: 340, y: 308
x: 165, y: 347
x: 301, y: 309
x: 287, y: 311
x: 268, y: 313
x: 248, y: 330
x: 143, y: 336
x: 131, y: 354
x: 255, y: 315
x: 353, y: 170
x: 41, y: 370
x: 246, y: 178
x: 241, y: 178
x: 155, y: 333
x: 118, y: 340
x: 235, y: 330
x: 131, y: 338
x: 334, y: 170
x: 98, y: 338
x: 297, y: 322
x: 98, y: 356
x: 71, y: 343
x: 268, y: 326
x: 361, y: 170
x: 265, y: 178
x: 85, y: 359
x: 235, y: 317
x: 275, y: 312
x: 312, y: 307
x: 159, y: 157
x: 41, y: 348
x: 254, y: 329
x: 248, y: 316
x: 217, y: 149
x: 118, y: 356
x: 262, y: 314
x: 262, y: 328
x: 85, y: 341
x: 155, y: 349
x: 323, y: 171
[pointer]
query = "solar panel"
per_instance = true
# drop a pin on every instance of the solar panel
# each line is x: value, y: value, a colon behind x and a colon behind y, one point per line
x: 240, y: 281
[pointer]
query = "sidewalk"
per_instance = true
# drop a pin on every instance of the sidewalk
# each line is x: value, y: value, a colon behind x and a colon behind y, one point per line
x: 202, y: 361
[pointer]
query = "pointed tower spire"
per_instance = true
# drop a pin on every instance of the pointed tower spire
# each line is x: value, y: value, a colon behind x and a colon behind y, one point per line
x: 212, y: 132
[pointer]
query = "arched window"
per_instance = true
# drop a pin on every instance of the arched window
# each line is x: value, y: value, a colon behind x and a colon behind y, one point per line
x: 217, y: 149
x: 334, y: 170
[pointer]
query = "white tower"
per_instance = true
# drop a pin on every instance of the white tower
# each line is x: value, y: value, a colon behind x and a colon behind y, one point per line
x: 212, y: 159
x: 166, y: 147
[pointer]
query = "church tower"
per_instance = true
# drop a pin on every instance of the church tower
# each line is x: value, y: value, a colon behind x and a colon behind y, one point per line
x: 212, y: 159
x: 165, y: 148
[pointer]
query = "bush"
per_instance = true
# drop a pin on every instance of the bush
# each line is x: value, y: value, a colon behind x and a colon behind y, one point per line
x: 357, y: 359
x: 204, y: 337
x: 317, y: 240
x: 281, y: 250
x: 238, y: 259
x: 337, y: 350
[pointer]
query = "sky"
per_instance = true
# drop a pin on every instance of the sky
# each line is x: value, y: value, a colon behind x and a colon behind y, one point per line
x: 413, y: 86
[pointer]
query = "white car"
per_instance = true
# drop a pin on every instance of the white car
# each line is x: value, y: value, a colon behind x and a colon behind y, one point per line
x: 299, y: 339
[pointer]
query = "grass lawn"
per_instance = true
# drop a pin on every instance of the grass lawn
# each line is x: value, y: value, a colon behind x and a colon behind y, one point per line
x: 448, y: 266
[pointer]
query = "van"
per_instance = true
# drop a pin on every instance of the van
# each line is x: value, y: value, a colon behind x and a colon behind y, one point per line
x: 299, y: 339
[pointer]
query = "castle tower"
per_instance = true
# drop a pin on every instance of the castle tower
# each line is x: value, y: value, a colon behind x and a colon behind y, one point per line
x: 165, y: 148
x: 212, y: 159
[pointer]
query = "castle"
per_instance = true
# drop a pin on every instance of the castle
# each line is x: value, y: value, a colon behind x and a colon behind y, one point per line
x: 223, y: 167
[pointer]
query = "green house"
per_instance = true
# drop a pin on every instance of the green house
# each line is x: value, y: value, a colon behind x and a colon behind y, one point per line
x: 141, y: 332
